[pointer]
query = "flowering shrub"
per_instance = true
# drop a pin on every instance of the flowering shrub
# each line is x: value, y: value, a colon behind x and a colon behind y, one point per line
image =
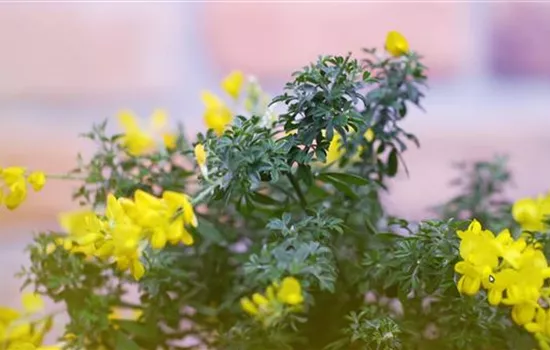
x: 267, y: 231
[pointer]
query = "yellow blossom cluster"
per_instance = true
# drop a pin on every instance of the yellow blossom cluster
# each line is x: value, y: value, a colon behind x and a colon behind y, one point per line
x: 278, y: 299
x: 512, y: 271
x: 127, y: 227
x: 336, y: 150
x: 218, y: 115
x: 531, y: 213
x: 13, y: 185
x: 17, y: 329
x: 139, y: 141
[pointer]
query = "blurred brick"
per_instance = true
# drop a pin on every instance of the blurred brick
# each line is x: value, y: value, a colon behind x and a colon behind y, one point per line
x: 431, y: 170
x: 273, y: 40
x: 36, y: 145
x: 518, y: 33
x: 69, y: 50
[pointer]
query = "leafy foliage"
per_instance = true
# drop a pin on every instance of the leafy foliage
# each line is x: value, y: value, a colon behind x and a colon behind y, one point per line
x: 273, y: 209
x: 112, y: 169
x: 482, y: 187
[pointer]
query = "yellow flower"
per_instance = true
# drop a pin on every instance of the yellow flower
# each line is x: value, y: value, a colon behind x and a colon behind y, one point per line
x: 22, y: 346
x: 369, y: 135
x: 200, y: 154
x: 509, y: 249
x: 524, y: 313
x: 159, y: 123
x: 126, y: 249
x: 396, y: 44
x: 84, y: 228
x: 497, y: 283
x: 217, y: 115
x: 37, y: 180
x: 16, y: 195
x: 182, y: 214
x: 533, y: 271
x: 477, y: 246
x: 260, y: 300
x: 170, y: 141
x: 13, y: 185
x: 335, y: 149
x: 138, y: 141
x: 145, y: 210
x: 290, y: 291
x: 541, y: 324
x: 125, y: 238
x: 113, y: 316
x: 278, y: 300
x: 249, y: 307
x: 233, y: 84
x: 16, y: 330
x: 12, y: 175
x: 32, y: 302
x: 127, y: 225
x: 472, y: 277
x: 543, y: 341
x: 531, y: 212
x: 480, y: 255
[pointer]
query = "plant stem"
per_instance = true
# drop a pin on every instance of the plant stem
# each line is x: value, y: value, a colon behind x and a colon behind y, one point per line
x: 64, y: 177
x: 298, y: 190
x: 130, y: 305
x: 204, y: 193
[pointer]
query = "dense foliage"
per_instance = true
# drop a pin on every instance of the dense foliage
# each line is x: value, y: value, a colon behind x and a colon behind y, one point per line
x: 268, y: 232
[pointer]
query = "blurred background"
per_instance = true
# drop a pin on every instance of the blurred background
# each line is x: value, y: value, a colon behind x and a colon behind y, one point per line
x: 64, y: 66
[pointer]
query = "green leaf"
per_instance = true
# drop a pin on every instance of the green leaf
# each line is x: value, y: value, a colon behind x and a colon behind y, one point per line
x: 366, y: 76
x: 339, y: 185
x: 124, y: 342
x: 392, y: 163
x: 209, y: 231
x: 138, y: 330
x: 387, y: 235
x: 304, y: 173
x: 347, y: 178
x: 263, y: 199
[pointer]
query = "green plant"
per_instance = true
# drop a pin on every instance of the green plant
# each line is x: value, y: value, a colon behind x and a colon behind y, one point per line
x: 283, y: 235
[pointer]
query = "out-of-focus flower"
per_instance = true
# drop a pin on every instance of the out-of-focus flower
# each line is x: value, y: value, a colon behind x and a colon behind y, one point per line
x: 216, y: 115
x: 396, y: 44
x: 13, y: 185
x: 233, y: 84
x: 140, y: 141
x: 18, y: 332
x: 531, y: 213
x: 37, y: 180
x: 200, y: 154
x: 278, y: 300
